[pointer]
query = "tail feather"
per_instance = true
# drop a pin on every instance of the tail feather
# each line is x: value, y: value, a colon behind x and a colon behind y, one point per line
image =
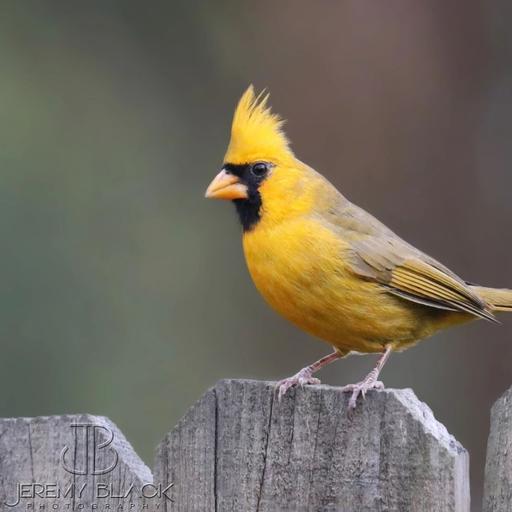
x: 499, y: 299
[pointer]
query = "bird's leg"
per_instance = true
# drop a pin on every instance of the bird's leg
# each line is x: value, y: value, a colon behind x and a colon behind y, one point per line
x: 305, y: 376
x: 369, y: 382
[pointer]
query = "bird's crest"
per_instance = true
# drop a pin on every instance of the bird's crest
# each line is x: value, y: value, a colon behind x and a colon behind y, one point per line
x: 256, y: 132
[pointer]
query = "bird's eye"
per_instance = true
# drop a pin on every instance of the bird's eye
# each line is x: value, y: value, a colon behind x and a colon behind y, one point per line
x: 260, y: 169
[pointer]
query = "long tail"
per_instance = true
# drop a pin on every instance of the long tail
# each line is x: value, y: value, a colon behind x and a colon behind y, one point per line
x: 500, y: 299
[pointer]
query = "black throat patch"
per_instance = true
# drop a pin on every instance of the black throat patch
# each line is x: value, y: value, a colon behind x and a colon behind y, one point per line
x: 249, y: 210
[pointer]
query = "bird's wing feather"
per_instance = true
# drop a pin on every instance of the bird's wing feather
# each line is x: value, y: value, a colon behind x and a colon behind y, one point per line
x: 378, y: 254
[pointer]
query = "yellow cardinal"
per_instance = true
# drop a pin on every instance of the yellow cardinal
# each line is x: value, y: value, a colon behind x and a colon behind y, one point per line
x: 327, y: 265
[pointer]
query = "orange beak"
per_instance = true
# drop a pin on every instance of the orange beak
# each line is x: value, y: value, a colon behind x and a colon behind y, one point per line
x: 226, y: 186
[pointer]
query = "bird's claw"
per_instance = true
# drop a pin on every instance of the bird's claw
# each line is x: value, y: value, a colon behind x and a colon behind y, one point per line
x: 361, y: 388
x: 301, y: 378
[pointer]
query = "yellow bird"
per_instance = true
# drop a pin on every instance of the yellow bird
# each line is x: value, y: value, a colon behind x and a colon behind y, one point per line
x: 327, y: 265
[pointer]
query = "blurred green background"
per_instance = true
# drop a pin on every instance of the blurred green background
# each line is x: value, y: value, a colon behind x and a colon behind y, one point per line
x: 125, y: 293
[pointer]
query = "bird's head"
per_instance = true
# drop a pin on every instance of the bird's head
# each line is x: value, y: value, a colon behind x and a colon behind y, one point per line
x: 260, y: 171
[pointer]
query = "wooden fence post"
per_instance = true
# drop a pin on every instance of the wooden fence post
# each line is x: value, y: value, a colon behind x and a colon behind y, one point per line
x: 69, y: 463
x: 498, y: 466
x: 240, y: 449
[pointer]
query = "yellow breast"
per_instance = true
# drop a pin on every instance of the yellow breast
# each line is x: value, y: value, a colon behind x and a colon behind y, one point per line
x: 298, y: 266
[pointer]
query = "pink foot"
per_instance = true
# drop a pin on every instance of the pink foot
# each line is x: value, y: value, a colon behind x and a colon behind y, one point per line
x: 299, y: 379
x: 360, y: 389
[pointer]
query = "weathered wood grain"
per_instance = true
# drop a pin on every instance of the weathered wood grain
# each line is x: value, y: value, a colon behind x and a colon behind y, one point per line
x: 498, y: 466
x: 194, y: 466
x: 240, y: 449
x: 32, y: 462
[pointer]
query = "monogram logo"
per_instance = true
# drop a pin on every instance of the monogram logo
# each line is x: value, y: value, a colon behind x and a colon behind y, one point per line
x: 88, y: 451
